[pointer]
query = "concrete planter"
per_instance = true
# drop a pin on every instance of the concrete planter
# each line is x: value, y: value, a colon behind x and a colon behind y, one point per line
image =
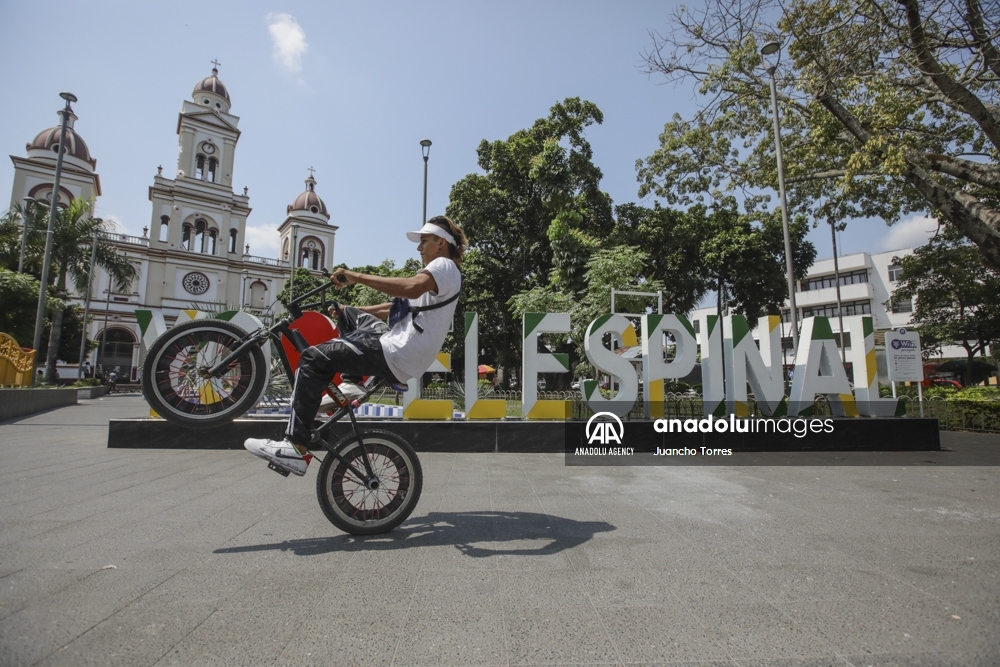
x: 21, y: 402
x: 91, y: 392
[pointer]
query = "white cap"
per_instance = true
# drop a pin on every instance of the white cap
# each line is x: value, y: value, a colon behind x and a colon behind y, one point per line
x: 430, y: 228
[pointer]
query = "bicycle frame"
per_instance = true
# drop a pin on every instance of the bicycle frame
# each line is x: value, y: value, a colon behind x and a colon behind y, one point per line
x: 283, y: 328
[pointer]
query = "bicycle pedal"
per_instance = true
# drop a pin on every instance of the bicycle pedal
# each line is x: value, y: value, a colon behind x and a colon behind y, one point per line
x: 278, y: 469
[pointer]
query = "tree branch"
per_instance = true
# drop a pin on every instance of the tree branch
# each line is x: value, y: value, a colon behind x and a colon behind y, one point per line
x: 984, y: 42
x: 967, y: 170
x: 958, y: 95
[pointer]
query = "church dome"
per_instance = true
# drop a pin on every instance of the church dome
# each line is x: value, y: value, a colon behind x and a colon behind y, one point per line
x: 309, y: 201
x: 48, y: 140
x: 212, y: 84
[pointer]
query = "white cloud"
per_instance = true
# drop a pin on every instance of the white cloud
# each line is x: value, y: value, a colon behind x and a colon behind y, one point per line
x: 289, y: 41
x: 909, y: 233
x: 263, y: 241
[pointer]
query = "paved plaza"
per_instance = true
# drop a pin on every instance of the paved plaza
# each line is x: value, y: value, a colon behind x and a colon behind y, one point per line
x: 168, y: 557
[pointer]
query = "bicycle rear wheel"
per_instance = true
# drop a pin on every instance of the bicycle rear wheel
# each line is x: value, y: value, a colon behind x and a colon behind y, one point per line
x: 173, y: 380
x: 367, y: 507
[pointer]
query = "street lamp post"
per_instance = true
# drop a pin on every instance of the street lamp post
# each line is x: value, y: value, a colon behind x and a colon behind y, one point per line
x: 243, y: 293
x: 840, y: 307
x: 53, y: 205
x: 86, y: 308
x: 769, y: 49
x: 295, y: 260
x: 425, y: 149
x: 28, y: 201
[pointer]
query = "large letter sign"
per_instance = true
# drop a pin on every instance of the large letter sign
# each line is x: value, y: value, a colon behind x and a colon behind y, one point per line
x: 747, y: 365
x: 713, y: 391
x: 862, y: 359
x: 654, y: 368
x: 819, y: 370
x: 605, y: 360
x: 475, y: 407
x: 535, y: 362
x: 415, y: 407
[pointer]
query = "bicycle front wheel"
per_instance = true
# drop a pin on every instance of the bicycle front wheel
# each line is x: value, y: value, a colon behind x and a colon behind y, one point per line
x: 176, y: 387
x: 369, y: 506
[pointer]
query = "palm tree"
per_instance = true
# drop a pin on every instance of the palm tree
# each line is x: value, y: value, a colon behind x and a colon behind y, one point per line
x: 72, y: 242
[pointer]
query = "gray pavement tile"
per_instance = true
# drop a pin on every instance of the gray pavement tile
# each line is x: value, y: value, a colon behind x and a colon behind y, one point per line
x: 961, y: 579
x: 48, y: 623
x: 761, y: 632
x: 547, y: 636
x: 249, y: 636
x: 910, y: 660
x: 560, y: 589
x: 139, y: 634
x: 446, y: 589
x: 666, y: 633
x: 698, y: 583
x: 791, y: 582
x: 359, y: 637
x: 466, y: 636
x: 859, y: 627
x: 20, y: 588
x: 833, y: 661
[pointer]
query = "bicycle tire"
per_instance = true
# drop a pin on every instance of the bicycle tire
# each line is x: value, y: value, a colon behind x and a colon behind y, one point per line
x: 175, y: 390
x: 358, y: 510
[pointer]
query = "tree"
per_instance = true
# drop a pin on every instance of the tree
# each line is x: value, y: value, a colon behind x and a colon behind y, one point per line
x: 954, y: 296
x: 303, y: 283
x: 17, y: 318
x: 531, y: 212
x: 888, y: 107
x: 72, y: 243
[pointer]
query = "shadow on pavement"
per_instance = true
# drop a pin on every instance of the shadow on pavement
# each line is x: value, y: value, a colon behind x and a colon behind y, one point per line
x: 459, y: 529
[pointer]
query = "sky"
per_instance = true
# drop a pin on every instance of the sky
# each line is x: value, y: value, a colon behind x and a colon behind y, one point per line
x: 350, y: 89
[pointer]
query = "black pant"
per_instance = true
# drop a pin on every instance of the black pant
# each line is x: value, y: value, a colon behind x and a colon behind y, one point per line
x: 357, y: 352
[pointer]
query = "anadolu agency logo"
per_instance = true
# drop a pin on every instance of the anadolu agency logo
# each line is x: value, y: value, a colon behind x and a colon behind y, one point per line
x: 604, y: 429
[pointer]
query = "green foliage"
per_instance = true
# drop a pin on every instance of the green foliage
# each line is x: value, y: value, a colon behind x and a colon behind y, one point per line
x: 530, y: 217
x: 887, y: 107
x: 304, y: 282
x: 954, y: 295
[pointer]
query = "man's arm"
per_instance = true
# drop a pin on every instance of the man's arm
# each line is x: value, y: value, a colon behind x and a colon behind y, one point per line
x: 380, y: 310
x: 409, y: 288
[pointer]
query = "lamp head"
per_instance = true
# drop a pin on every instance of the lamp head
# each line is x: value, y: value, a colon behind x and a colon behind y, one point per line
x: 69, y: 97
x: 770, y: 48
x: 425, y: 147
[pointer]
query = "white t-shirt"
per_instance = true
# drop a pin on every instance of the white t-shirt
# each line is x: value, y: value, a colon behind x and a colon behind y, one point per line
x: 408, y: 352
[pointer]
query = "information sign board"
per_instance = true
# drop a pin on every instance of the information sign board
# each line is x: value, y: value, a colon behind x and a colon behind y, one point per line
x: 902, y: 355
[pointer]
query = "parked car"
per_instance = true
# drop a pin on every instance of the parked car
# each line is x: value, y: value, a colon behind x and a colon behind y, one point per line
x: 941, y: 382
x: 576, y: 384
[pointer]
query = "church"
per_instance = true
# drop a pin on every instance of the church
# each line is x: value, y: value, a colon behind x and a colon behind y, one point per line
x: 193, y: 254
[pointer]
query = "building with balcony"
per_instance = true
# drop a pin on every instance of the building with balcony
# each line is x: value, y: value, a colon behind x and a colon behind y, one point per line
x: 193, y: 254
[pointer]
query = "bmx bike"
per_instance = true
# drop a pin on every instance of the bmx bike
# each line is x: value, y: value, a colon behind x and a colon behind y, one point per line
x: 206, y: 373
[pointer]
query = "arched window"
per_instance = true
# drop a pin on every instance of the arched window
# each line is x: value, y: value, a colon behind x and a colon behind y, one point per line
x: 258, y: 294
x: 186, y: 237
x: 232, y: 240
x: 199, y: 166
x: 213, y: 241
x: 164, y: 227
x: 212, y: 166
x: 199, y: 235
x: 305, y: 257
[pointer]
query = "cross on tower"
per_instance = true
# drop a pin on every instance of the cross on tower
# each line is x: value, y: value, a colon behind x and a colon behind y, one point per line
x: 216, y: 63
x: 310, y: 170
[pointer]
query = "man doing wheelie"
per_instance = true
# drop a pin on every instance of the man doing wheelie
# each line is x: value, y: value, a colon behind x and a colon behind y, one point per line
x: 367, y: 346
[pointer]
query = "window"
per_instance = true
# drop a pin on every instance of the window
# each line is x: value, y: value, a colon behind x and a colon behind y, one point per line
x: 199, y: 235
x: 697, y: 326
x: 895, y: 273
x: 213, y: 241
x: 212, y: 166
x: 164, y: 227
x: 902, y: 305
x: 232, y: 240
x: 199, y: 166
x: 186, y: 237
x: 863, y: 307
x: 822, y: 282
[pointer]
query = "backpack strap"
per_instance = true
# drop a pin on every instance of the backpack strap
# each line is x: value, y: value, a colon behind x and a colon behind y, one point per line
x: 416, y: 310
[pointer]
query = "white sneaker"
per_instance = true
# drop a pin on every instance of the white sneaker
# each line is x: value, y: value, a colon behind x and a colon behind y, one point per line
x: 280, y: 453
x: 351, y: 391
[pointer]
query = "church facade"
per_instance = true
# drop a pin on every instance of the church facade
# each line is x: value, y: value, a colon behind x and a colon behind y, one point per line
x: 193, y: 254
